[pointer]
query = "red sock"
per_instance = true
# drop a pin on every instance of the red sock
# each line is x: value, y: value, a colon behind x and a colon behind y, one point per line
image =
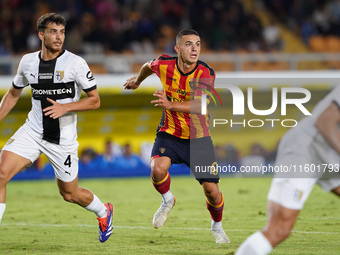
x: 162, y: 186
x: 216, y: 211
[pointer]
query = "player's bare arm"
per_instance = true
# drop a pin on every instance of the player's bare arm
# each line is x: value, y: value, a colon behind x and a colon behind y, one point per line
x: 193, y: 106
x: 91, y: 102
x: 9, y: 101
x: 327, y: 123
x: 134, y: 82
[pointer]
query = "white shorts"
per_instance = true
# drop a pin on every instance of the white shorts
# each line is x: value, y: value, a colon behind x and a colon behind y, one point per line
x: 296, y: 149
x: 64, y: 158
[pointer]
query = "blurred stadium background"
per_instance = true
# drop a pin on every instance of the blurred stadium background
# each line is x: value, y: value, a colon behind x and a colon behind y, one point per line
x: 116, y: 37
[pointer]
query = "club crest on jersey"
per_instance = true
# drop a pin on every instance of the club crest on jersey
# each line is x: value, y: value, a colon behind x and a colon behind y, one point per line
x: 192, y: 84
x: 10, y: 141
x: 60, y: 75
x: 162, y: 150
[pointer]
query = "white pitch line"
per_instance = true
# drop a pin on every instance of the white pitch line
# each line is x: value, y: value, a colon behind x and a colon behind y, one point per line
x: 264, y: 218
x: 141, y: 227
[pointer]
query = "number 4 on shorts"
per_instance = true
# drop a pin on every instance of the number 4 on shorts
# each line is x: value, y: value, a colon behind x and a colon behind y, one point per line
x: 68, y: 161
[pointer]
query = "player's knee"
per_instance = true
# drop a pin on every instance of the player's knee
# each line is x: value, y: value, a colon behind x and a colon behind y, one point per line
x: 3, y: 175
x: 158, y: 171
x: 212, y: 193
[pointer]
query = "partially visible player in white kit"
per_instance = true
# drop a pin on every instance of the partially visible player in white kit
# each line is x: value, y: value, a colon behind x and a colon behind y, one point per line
x: 313, y: 142
x: 57, y: 78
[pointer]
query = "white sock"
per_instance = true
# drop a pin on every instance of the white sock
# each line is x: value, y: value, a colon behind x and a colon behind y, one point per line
x: 216, y: 225
x: 2, y: 210
x: 167, y: 196
x: 256, y: 244
x: 97, y: 207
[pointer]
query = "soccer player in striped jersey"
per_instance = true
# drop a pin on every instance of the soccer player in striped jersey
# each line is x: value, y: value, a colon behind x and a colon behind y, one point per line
x: 57, y: 78
x: 183, y: 135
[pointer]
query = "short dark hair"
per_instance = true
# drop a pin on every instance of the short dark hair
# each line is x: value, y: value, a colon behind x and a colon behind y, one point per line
x: 186, y: 32
x: 50, y: 18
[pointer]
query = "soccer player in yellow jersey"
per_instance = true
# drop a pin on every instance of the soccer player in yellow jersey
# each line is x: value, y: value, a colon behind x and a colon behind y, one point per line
x: 183, y: 135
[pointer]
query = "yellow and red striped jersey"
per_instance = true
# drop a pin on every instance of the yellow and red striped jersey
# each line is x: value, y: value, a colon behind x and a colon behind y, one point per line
x: 176, y: 86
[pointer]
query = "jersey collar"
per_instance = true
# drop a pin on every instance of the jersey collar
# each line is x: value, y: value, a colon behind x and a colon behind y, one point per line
x: 185, y: 74
x: 61, y: 53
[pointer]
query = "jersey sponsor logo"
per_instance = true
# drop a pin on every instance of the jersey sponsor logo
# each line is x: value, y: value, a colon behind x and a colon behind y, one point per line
x: 59, y: 75
x: 55, y: 91
x: 89, y: 76
x: 10, y: 141
x: 51, y: 91
x: 170, y: 78
x: 179, y: 91
x: 45, y: 76
x: 33, y: 75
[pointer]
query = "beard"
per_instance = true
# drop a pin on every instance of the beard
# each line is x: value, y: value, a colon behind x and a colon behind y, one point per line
x: 49, y: 47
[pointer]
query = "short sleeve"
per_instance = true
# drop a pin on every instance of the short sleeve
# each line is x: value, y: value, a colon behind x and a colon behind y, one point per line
x: 205, y: 85
x: 154, y: 64
x: 157, y: 62
x: 20, y: 80
x: 84, y: 76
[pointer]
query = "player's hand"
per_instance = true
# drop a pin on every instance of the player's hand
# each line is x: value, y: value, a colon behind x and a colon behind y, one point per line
x: 54, y: 111
x: 162, y: 101
x: 131, y: 83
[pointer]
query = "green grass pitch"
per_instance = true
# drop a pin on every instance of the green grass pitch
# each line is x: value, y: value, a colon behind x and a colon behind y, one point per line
x: 38, y: 221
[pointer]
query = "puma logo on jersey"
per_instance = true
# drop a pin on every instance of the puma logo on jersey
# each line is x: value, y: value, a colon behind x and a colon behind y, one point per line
x: 33, y: 75
x: 68, y: 173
